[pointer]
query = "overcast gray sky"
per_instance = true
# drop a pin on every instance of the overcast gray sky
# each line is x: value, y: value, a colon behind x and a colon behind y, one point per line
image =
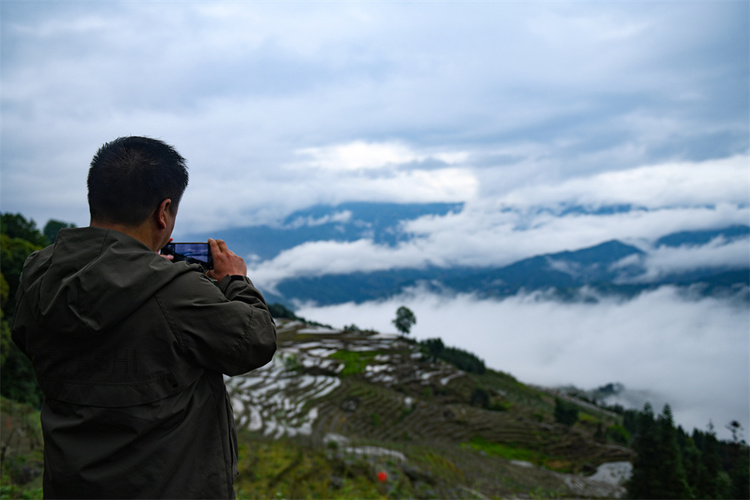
x: 280, y: 105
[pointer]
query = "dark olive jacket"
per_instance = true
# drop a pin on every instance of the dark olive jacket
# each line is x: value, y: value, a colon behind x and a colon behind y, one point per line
x: 130, y: 351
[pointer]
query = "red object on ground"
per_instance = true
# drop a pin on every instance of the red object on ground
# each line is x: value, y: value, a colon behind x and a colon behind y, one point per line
x: 382, y: 477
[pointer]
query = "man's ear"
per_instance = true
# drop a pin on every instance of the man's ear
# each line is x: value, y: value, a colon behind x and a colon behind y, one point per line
x: 161, y: 213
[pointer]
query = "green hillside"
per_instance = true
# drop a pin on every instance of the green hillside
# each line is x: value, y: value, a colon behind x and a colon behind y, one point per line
x: 335, y: 408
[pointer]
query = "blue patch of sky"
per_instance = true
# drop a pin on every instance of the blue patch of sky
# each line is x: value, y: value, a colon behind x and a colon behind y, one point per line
x: 732, y: 233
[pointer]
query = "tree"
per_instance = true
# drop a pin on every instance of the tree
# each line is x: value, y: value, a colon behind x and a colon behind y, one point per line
x: 644, y: 479
x: 5, y: 336
x: 405, y: 319
x: 565, y: 413
x: 279, y: 310
x: 13, y: 254
x: 657, y: 470
x: 18, y: 238
x: 17, y: 226
x: 434, y: 347
x: 53, y: 227
x: 736, y: 429
x: 670, y: 469
x: 737, y: 453
x: 706, y: 481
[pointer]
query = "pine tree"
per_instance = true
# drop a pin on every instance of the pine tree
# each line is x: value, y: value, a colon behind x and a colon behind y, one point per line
x: 671, y: 475
x: 706, y: 483
x: 739, y: 471
x: 691, y: 459
x: 644, y: 479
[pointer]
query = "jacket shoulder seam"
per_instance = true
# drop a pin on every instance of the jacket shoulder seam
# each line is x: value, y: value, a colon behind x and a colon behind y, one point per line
x: 170, y: 321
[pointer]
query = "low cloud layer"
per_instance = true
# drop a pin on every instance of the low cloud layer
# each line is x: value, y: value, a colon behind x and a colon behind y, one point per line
x: 658, y: 200
x: 716, y: 254
x: 692, y: 354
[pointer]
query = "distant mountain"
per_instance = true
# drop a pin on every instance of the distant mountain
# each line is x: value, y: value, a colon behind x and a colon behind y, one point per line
x: 684, y: 238
x: 609, y: 268
x: 569, y: 275
x: 359, y: 287
x: 380, y: 222
x: 560, y: 270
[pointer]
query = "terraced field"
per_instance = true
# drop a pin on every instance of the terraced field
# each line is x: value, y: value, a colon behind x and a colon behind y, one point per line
x: 378, y: 398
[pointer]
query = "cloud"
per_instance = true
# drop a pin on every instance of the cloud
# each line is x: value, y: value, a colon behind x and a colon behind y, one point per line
x: 331, y: 257
x: 691, y: 354
x: 343, y: 216
x: 655, y: 201
x: 718, y: 254
x: 649, y: 186
x: 360, y: 155
x: 487, y: 98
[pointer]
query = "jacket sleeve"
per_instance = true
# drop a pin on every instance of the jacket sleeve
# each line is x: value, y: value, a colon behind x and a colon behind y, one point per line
x: 18, y: 330
x: 225, y: 328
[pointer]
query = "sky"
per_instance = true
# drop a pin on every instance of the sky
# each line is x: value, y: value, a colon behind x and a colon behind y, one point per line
x: 282, y: 105
x: 519, y: 110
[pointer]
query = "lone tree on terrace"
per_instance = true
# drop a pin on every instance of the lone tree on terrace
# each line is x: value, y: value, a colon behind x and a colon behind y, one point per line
x: 405, y: 319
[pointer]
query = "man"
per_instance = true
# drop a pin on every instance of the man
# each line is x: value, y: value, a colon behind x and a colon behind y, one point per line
x: 129, y: 348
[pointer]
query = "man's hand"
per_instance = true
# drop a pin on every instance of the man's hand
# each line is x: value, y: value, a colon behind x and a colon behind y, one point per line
x: 225, y: 261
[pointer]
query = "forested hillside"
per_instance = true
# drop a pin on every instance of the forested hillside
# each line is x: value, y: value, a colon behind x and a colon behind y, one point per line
x: 358, y: 414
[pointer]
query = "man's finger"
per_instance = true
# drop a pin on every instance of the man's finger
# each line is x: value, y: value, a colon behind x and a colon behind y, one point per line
x: 222, y: 245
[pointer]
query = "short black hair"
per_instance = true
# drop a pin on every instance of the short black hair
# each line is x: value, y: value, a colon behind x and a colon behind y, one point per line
x: 130, y: 177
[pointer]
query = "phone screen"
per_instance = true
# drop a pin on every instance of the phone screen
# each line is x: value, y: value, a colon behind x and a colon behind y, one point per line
x: 193, y: 253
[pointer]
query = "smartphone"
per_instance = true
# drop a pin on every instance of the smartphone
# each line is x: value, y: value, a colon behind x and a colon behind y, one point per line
x: 193, y: 253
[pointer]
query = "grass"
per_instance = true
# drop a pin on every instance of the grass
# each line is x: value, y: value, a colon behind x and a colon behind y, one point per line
x: 505, y: 451
x: 291, y: 468
x: 355, y: 362
x: 509, y: 452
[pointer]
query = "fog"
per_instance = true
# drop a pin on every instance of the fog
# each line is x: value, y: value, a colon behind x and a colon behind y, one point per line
x: 663, y: 346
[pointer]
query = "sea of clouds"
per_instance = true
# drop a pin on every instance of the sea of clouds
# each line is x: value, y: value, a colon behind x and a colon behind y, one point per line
x: 663, y: 346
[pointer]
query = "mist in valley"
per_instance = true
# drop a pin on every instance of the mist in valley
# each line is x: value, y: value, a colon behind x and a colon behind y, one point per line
x: 663, y: 346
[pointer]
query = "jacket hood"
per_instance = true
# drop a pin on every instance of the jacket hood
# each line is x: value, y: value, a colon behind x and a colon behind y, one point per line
x: 93, y: 277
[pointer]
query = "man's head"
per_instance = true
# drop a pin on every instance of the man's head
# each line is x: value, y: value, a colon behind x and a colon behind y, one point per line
x: 130, y: 177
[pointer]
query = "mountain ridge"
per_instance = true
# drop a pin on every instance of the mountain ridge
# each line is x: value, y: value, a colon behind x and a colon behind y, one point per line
x: 610, y: 268
x: 566, y: 274
x: 345, y: 222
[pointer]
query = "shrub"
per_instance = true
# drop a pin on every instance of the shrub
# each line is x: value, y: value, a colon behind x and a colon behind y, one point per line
x: 565, y: 413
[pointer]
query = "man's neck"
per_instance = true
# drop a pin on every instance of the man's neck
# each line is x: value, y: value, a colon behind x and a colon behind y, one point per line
x: 142, y: 232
